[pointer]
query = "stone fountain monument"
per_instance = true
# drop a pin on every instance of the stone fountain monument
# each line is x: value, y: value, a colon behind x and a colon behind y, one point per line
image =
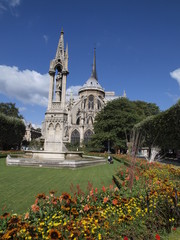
x: 55, y: 126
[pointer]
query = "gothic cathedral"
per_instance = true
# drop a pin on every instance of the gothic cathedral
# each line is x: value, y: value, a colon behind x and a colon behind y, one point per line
x: 71, y: 121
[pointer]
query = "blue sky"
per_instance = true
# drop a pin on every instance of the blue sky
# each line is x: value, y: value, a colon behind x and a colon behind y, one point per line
x: 137, y: 49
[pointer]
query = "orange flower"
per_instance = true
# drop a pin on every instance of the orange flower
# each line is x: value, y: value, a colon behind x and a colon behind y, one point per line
x: 65, y: 208
x: 54, y: 202
x: 116, y: 189
x: 41, y: 196
x: 115, y: 201
x: 105, y: 199
x: 137, y: 178
x: 66, y: 197
x: 86, y: 208
x: 14, y: 220
x: 54, y: 234
x: 74, y: 212
x: 35, y: 208
x: 92, y: 192
x: 52, y: 192
x: 5, y: 215
x: 127, y: 178
x: 11, y: 234
x: 26, y: 216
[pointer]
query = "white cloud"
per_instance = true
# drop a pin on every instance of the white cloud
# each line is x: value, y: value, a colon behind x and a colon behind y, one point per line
x: 2, y: 7
x: 45, y: 38
x: 73, y: 90
x: 176, y: 75
x: 174, y: 97
x: 13, y: 3
x: 22, y: 109
x: 29, y: 87
x: 35, y: 126
x: 9, y: 4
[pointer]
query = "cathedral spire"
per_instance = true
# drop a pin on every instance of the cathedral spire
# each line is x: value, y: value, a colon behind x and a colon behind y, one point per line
x: 60, y: 48
x: 94, y: 73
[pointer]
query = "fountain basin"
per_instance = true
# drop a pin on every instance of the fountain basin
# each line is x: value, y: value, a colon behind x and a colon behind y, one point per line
x: 54, y: 160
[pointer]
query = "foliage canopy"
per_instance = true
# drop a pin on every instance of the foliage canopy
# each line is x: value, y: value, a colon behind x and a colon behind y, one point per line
x: 162, y: 130
x: 12, y: 128
x: 116, y: 121
x: 10, y: 109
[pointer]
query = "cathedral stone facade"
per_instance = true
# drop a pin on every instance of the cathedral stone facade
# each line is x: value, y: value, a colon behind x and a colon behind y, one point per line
x: 73, y: 118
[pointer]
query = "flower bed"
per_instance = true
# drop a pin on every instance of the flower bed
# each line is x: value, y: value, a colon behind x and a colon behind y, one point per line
x: 143, y: 206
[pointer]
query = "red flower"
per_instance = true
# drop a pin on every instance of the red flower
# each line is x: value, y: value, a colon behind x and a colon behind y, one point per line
x: 125, y: 238
x: 96, y: 190
x: 104, y: 189
x: 54, y: 202
x: 174, y: 229
x: 157, y: 237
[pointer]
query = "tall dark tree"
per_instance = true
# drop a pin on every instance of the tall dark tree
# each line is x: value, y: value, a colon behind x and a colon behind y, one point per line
x: 10, y: 109
x: 115, y: 122
x: 162, y: 130
x: 12, y: 127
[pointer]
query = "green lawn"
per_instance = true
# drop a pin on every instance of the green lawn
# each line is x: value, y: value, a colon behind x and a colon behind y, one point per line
x: 174, y: 235
x: 20, y: 185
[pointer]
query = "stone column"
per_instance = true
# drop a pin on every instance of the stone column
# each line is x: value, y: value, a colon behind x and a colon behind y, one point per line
x: 63, y: 94
x: 51, y: 91
x: 81, y: 135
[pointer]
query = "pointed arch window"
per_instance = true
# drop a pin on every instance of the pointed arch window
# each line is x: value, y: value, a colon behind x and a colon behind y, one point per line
x: 87, y: 136
x: 57, y: 131
x: 78, y: 120
x: 51, y: 129
x: 85, y: 103
x: 99, y: 104
x: 75, y: 137
x: 91, y: 102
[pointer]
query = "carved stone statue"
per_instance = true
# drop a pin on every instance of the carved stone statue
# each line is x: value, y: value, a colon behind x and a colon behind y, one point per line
x: 58, y: 86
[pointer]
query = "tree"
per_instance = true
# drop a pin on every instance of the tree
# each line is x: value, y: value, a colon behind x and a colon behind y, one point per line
x: 162, y: 130
x: 115, y: 122
x: 12, y: 127
x: 9, y: 109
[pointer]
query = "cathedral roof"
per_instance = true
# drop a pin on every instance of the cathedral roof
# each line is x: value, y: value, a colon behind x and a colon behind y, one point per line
x: 92, y: 82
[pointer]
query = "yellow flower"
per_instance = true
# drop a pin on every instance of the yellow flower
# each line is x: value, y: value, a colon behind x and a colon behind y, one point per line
x: 99, y: 236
